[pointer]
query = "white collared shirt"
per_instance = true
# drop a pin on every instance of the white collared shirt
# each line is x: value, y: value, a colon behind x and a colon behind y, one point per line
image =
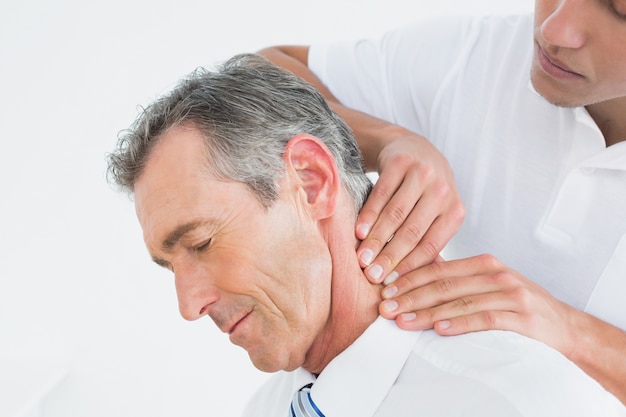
x: 389, y: 372
x: 542, y: 191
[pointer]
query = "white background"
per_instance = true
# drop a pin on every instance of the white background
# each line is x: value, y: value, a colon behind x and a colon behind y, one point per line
x: 76, y: 284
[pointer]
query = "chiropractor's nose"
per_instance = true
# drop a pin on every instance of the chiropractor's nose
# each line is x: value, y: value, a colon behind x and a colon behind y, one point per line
x: 195, y: 291
x: 567, y: 25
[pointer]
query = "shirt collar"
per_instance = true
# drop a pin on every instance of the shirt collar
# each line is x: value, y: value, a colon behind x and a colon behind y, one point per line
x: 357, y: 381
x: 613, y: 158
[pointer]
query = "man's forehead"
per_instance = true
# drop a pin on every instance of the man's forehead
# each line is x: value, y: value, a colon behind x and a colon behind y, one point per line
x: 169, y: 181
x: 175, y: 151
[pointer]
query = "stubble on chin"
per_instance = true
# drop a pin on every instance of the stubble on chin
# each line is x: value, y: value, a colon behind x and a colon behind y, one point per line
x: 552, y: 97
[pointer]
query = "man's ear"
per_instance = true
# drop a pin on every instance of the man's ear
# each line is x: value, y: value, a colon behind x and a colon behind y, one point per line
x: 316, y: 173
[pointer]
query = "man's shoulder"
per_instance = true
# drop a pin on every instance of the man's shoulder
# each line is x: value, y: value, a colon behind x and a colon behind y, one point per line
x: 510, y: 368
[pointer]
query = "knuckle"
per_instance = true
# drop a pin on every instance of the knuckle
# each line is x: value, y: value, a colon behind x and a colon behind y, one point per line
x: 431, y: 248
x: 368, y: 213
x: 437, y: 269
x: 385, y: 258
x: 381, y: 192
x: 396, y: 214
x: 489, y: 320
x: 522, y: 297
x: 442, y: 190
x: 408, y: 301
x: 489, y: 262
x: 403, y: 159
x: 426, y: 252
x: 431, y: 315
x: 444, y: 286
x: 463, y: 323
x: 414, y: 232
x: 457, y: 213
x: 407, y: 264
x: 425, y: 171
x: 376, y: 244
x: 503, y: 279
x: 464, y: 305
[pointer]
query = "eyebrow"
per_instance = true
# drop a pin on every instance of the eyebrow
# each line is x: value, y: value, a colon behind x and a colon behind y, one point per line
x: 177, y: 234
x: 172, y: 239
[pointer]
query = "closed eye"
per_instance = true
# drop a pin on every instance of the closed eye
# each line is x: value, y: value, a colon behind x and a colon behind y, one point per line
x: 204, y: 246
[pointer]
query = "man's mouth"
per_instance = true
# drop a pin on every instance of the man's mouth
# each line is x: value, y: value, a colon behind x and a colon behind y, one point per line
x: 234, y: 324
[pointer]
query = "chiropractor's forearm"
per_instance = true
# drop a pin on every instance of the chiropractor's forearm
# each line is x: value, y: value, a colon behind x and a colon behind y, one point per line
x: 601, y: 352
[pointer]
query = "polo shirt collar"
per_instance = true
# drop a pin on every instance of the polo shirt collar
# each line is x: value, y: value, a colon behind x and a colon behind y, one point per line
x: 614, y: 158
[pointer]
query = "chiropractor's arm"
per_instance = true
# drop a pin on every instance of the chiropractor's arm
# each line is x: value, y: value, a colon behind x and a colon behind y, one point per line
x: 415, y: 198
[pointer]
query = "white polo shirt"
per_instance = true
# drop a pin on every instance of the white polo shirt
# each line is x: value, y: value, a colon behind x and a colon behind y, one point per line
x: 389, y: 372
x: 542, y: 191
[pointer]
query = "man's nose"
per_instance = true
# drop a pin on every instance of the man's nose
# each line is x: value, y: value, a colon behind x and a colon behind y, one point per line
x: 195, y: 291
x: 567, y: 26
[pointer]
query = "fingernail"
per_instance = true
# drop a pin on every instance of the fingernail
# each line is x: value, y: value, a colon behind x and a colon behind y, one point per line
x: 390, y: 291
x: 391, y: 278
x: 375, y: 272
x: 363, y: 229
x: 390, y: 306
x: 444, y: 324
x: 367, y: 256
x: 408, y: 316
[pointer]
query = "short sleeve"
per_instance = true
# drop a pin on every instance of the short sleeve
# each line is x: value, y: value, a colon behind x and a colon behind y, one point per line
x: 398, y: 76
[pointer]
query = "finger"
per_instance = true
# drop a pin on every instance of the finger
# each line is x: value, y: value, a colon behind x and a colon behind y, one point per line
x: 382, y: 192
x: 484, y: 320
x: 398, y: 209
x: 437, y: 203
x: 405, y: 241
x: 424, y: 252
x: 480, y: 265
x: 465, y: 314
x: 444, y: 298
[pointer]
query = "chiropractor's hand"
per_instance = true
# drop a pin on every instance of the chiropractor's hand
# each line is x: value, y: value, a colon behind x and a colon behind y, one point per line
x: 414, y: 203
x: 479, y: 293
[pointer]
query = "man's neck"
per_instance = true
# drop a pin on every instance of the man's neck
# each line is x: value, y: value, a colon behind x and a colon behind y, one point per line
x: 610, y: 116
x: 354, y: 306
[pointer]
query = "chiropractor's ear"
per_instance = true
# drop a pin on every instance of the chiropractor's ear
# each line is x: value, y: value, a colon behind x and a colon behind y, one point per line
x: 313, y: 171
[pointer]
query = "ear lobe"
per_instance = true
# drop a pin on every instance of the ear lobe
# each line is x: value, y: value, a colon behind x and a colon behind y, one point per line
x: 315, y: 171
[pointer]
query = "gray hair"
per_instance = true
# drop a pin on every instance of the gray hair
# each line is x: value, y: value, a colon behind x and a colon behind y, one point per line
x: 248, y: 109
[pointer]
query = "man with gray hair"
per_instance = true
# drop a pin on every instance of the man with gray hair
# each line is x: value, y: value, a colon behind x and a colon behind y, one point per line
x: 247, y: 187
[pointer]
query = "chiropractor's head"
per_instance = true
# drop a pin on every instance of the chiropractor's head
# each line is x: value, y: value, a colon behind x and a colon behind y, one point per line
x: 247, y: 186
x: 580, y: 51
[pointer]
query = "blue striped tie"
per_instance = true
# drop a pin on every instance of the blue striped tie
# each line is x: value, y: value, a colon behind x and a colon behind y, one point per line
x: 302, y: 405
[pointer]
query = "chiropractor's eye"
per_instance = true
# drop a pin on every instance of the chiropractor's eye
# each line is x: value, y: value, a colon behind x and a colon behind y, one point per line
x: 618, y: 8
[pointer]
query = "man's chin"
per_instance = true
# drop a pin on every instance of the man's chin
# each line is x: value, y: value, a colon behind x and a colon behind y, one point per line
x: 271, y: 363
